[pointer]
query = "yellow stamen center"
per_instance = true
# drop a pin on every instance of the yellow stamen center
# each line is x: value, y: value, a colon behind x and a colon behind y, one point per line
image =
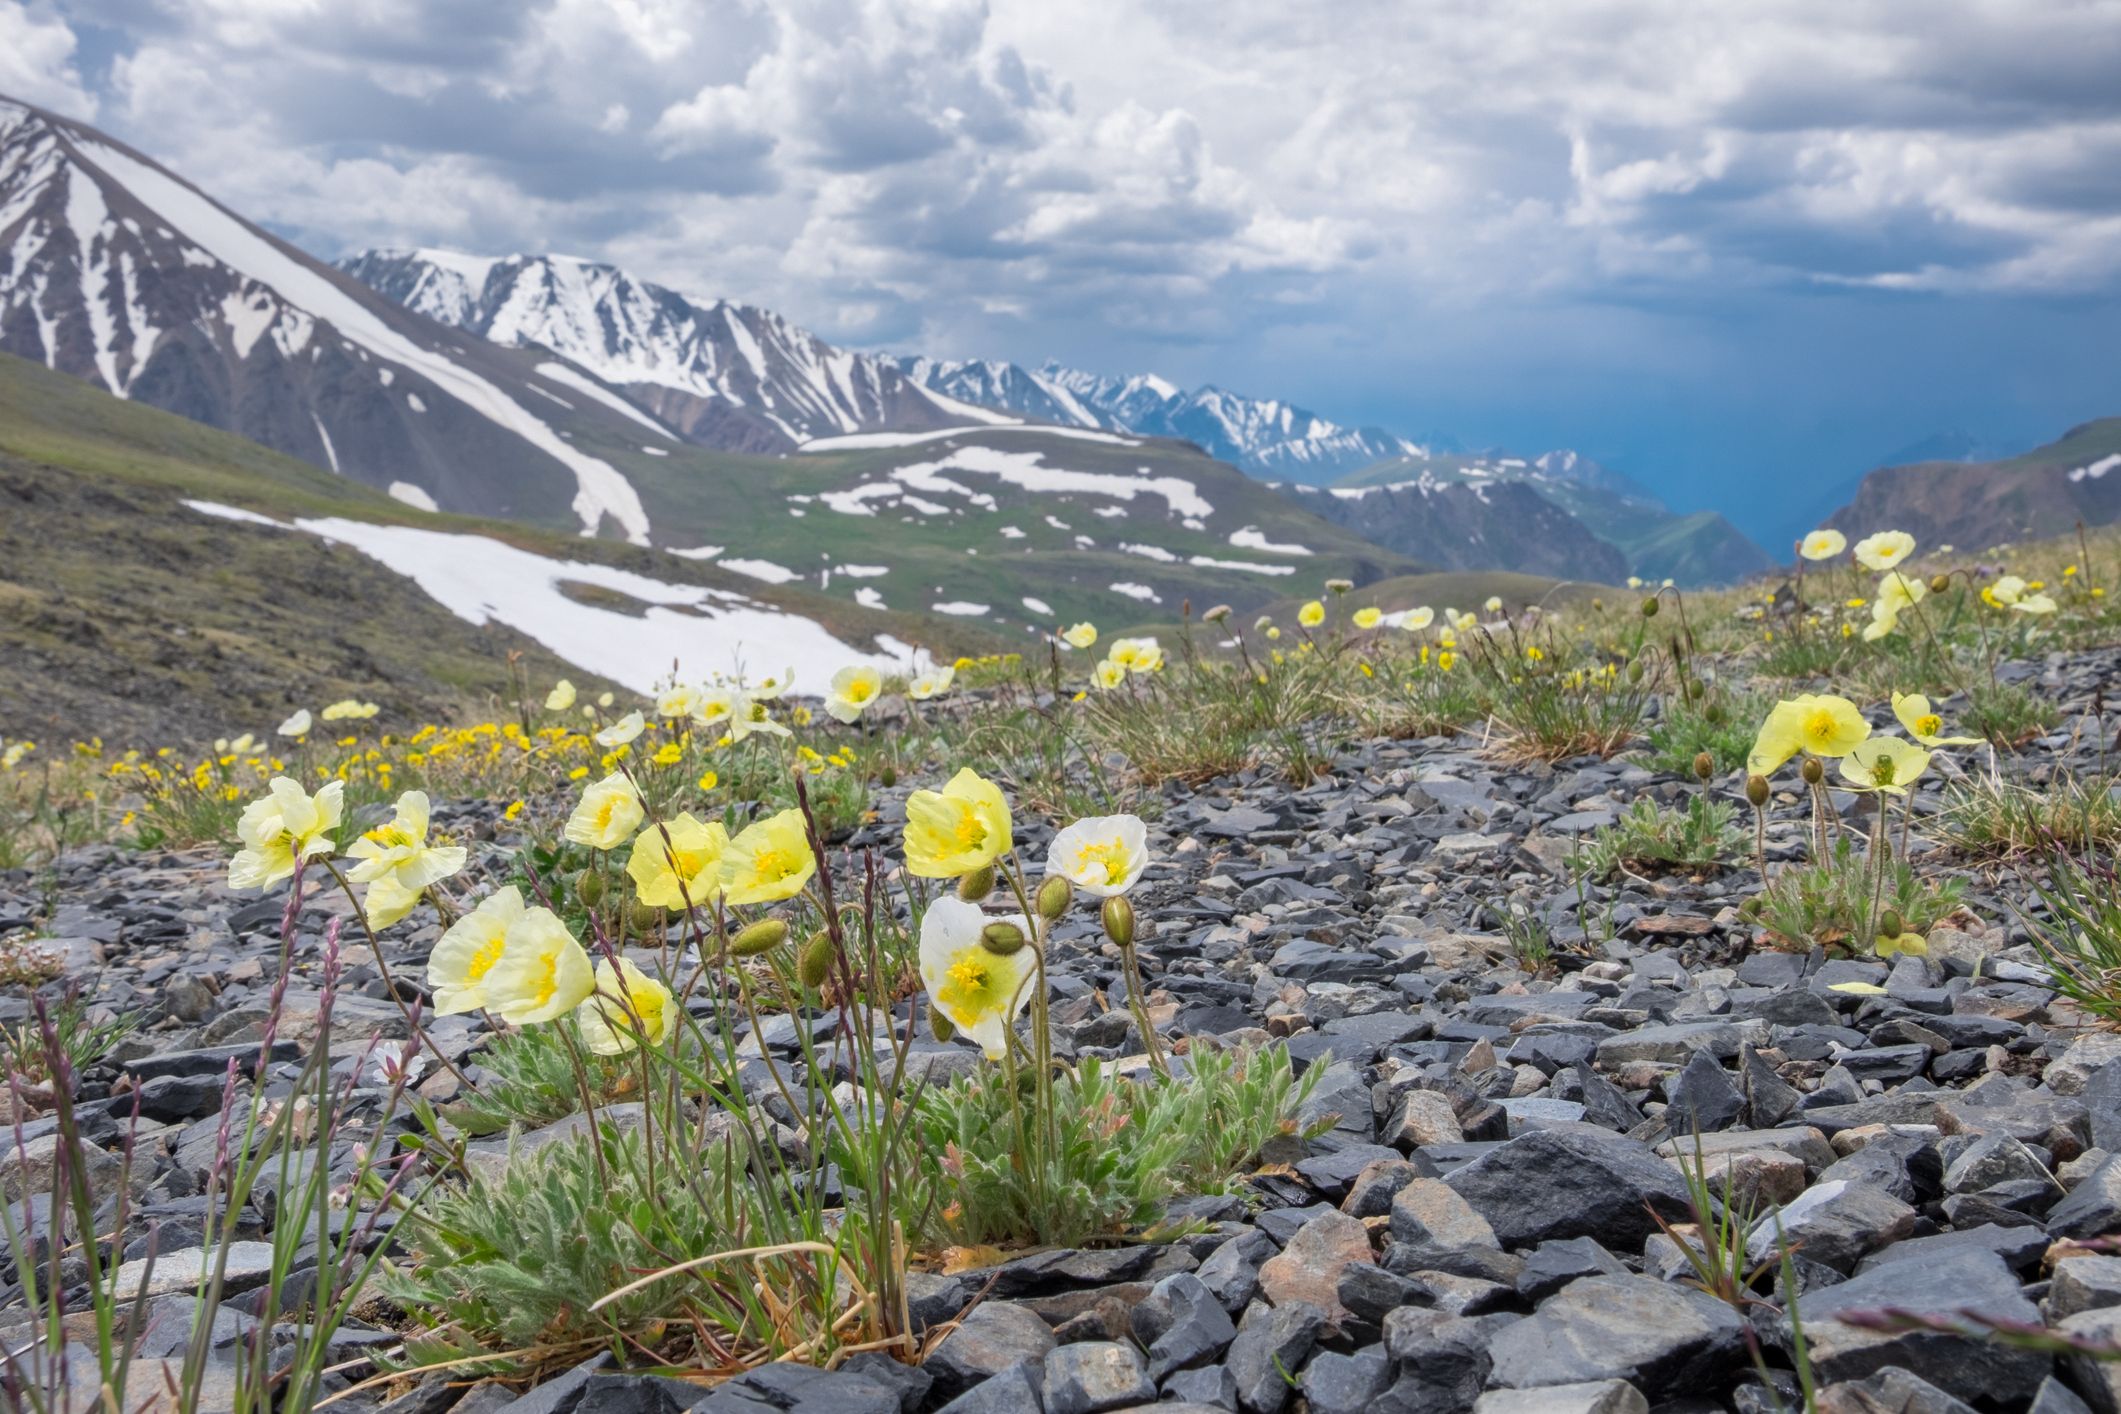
x: 774, y: 864
x: 548, y: 979
x: 1929, y: 725
x: 1819, y: 727
x: 1110, y: 855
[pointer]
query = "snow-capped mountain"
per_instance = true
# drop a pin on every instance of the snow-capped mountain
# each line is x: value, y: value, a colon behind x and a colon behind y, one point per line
x: 1263, y: 435
x: 117, y: 271
x: 729, y: 376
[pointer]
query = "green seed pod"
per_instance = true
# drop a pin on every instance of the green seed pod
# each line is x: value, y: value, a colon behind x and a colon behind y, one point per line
x: 1938, y: 584
x: 815, y: 962
x: 1001, y: 938
x: 1756, y: 790
x: 1649, y: 607
x: 1054, y: 896
x: 1812, y: 771
x: 589, y: 887
x: 758, y: 937
x: 1118, y: 918
x: 1598, y: 605
x: 1694, y: 689
x: 1716, y: 714
x: 1704, y: 765
x: 977, y: 885
x: 644, y: 920
x: 888, y: 775
x: 1635, y: 671
x: 939, y: 1025
x: 1891, y: 924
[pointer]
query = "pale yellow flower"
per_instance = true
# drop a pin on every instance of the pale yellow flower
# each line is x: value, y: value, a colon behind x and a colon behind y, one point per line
x: 1102, y: 855
x: 627, y: 1009
x: 1924, y: 724
x: 398, y: 864
x: 676, y: 701
x: 296, y: 725
x: 1817, y: 725
x: 684, y: 870
x: 1419, y: 619
x: 769, y: 860
x: 542, y: 972
x: 1137, y: 655
x: 1884, y: 550
x: 561, y: 697
x: 1367, y: 618
x: 963, y: 827
x: 932, y: 684
x: 853, y: 690
x: 624, y: 730
x: 457, y: 967
x: 287, y: 825
x: 1823, y: 544
x: 608, y: 814
x: 979, y: 990
x: 1082, y: 635
x: 1884, y: 763
x: 1108, y: 674
x: 747, y: 714
x: 1312, y: 614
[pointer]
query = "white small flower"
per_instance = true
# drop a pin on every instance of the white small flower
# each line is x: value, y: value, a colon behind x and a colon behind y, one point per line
x: 1103, y: 855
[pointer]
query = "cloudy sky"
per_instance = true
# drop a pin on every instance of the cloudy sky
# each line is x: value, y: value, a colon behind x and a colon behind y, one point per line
x: 1740, y: 251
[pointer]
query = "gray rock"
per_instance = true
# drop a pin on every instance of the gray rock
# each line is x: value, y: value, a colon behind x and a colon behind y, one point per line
x: 1572, y: 1183
x: 2054, y: 1397
x: 1181, y: 1324
x: 2088, y: 1283
x: 1271, y: 1346
x: 1834, y: 1224
x: 246, y: 1265
x: 1890, y: 1391
x: 1432, y: 1224
x: 1553, y: 1265
x: 1208, y: 1385
x: 1346, y: 1384
x: 1964, y: 1366
x: 1309, y: 1268
x: 2098, y: 1381
x: 1441, y: 1360
x: 2093, y: 1207
x: 1014, y: 1390
x: 1660, y: 1335
x: 1096, y: 1375
x: 769, y: 1389
x: 1703, y: 1098
x: 992, y: 1337
x: 1597, y: 1397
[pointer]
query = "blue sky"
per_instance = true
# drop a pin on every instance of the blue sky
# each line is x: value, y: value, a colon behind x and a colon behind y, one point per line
x: 1740, y: 252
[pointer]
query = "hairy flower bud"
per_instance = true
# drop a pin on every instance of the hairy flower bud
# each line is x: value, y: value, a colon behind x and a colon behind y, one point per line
x: 977, y: 885
x: 1635, y: 671
x: 1812, y: 771
x: 888, y: 776
x: 1704, y: 765
x: 1891, y: 924
x: 1001, y: 938
x: 1938, y: 584
x: 1716, y: 714
x: 1756, y: 790
x: 589, y: 887
x: 1118, y: 918
x: 1649, y: 607
x: 1054, y: 896
x: 758, y: 937
x: 815, y: 962
x: 643, y: 919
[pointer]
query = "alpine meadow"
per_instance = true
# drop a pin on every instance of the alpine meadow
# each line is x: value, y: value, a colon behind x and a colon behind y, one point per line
x: 643, y: 768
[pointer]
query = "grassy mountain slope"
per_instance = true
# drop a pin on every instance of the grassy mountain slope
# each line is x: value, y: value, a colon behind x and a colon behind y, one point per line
x: 1109, y: 530
x: 1974, y: 505
x: 124, y: 612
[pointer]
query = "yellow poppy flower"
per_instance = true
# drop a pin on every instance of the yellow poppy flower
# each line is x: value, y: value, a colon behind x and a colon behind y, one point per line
x: 1817, y: 725
x: 979, y: 990
x: 561, y: 697
x: 287, y: 825
x: 1102, y: 855
x: 609, y: 813
x: 457, y: 967
x: 1823, y: 545
x: 1082, y: 635
x: 769, y: 860
x: 1885, y: 549
x: 853, y: 690
x: 1924, y: 724
x: 627, y: 1008
x: 1312, y: 614
x: 684, y: 870
x: 963, y: 827
x: 1368, y: 618
x: 542, y: 972
x: 1884, y: 763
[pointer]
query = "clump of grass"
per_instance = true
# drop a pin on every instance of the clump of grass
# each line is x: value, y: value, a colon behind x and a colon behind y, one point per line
x: 78, y: 1035
x: 27, y: 961
x: 1830, y: 903
x: 1531, y: 941
x: 1993, y: 817
x: 1125, y: 1147
x: 2078, y: 928
x: 1550, y: 700
x: 1700, y: 836
x: 2007, y: 713
x: 1720, y: 724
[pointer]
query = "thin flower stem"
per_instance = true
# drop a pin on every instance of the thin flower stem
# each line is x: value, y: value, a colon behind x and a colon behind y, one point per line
x: 390, y: 983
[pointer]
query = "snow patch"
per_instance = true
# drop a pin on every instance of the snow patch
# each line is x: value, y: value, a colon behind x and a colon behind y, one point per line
x: 560, y: 373
x: 961, y: 609
x: 1149, y: 552
x: 762, y: 569
x: 221, y: 512
x: 860, y: 441
x: 698, y: 552
x: 412, y: 400
x: 1210, y: 563
x: 330, y: 453
x: 1038, y: 606
x: 1138, y: 591
x: 655, y: 451
x: 2096, y: 469
x: 868, y: 598
x: 412, y: 495
x: 1252, y: 538
x: 863, y: 571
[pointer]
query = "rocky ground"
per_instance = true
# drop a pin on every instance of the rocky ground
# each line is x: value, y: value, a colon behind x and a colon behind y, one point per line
x: 1478, y: 1229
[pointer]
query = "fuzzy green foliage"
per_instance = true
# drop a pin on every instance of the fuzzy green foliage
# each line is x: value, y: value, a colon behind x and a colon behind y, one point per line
x: 1125, y: 1146
x: 2007, y: 714
x: 1701, y: 835
x: 530, y: 1078
x: 1720, y: 724
x: 1829, y: 904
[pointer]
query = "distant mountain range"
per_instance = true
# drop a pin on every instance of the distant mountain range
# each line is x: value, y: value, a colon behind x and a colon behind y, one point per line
x: 1979, y: 505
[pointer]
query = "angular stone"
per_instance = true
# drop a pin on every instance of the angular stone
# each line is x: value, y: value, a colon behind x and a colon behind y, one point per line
x: 1181, y: 1324
x: 1659, y: 1335
x: 1833, y: 1224
x: 1967, y: 1367
x: 1553, y: 1265
x: 1271, y: 1344
x: 993, y: 1336
x: 1094, y: 1376
x: 1309, y: 1268
x: 1423, y: 1117
x: 1014, y: 1390
x: 1890, y: 1391
x: 1231, y: 1272
x: 2088, y: 1283
x: 1346, y: 1384
x: 1441, y: 1360
x: 1432, y: 1223
x: 2099, y: 1381
x: 2093, y: 1207
x: 1703, y: 1098
x: 1596, y: 1397
x: 1572, y: 1183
